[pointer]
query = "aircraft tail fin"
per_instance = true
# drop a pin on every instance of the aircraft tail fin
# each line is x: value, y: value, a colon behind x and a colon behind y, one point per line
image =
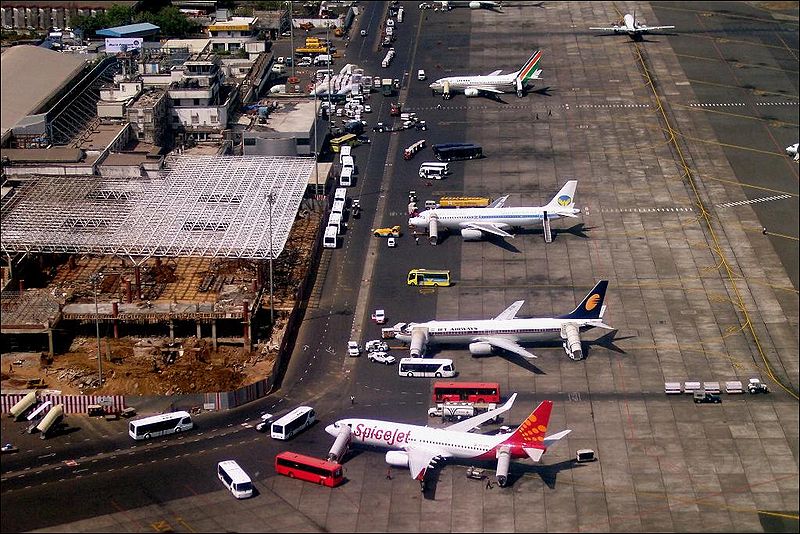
x: 591, y: 307
x: 565, y: 198
x: 530, y: 70
x: 533, y: 429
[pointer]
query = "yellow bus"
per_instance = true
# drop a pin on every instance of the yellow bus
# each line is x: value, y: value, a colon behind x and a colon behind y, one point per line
x: 428, y: 277
x: 347, y: 139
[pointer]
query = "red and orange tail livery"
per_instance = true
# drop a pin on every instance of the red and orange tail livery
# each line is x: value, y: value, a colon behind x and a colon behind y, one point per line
x: 533, y: 429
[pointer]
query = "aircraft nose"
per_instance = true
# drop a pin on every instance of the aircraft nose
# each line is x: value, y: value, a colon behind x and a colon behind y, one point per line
x: 332, y: 430
x: 417, y: 222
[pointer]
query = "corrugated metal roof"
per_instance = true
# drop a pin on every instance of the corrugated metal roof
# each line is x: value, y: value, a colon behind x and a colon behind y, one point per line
x: 122, y: 31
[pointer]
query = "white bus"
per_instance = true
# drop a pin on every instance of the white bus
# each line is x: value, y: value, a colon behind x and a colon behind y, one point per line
x: 439, y: 368
x: 340, y: 194
x: 330, y: 239
x: 293, y: 423
x: 338, y: 207
x: 335, y: 221
x: 235, y: 479
x: 160, y: 425
x: 346, y: 178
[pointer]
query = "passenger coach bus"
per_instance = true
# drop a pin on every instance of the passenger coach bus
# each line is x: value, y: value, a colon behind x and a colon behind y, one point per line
x: 293, y: 423
x: 160, y: 425
x: 428, y: 277
x: 314, y: 470
x: 481, y: 392
x: 346, y: 139
x: 451, y: 151
x: 426, y: 367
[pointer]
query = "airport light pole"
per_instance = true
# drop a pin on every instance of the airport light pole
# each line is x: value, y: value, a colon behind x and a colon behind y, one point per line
x: 271, y: 201
x: 95, y: 279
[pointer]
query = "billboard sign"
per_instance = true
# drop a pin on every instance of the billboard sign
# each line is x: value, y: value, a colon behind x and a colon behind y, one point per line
x: 122, y: 44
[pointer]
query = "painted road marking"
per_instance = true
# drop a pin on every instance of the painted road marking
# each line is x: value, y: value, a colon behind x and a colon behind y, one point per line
x: 755, y: 200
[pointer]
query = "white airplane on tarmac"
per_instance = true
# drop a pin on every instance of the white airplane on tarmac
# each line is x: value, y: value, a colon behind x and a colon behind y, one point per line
x: 419, y: 447
x: 506, y: 332
x: 475, y: 223
x: 447, y: 5
x: 493, y: 82
x: 792, y: 151
x: 632, y: 27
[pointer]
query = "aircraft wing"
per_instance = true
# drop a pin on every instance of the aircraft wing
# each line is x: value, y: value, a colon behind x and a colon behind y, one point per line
x: 488, y: 228
x: 472, y: 422
x: 510, y: 312
x: 495, y: 73
x: 419, y: 459
x: 500, y: 202
x: 611, y: 29
x: 651, y: 28
x: 486, y: 88
x: 506, y: 344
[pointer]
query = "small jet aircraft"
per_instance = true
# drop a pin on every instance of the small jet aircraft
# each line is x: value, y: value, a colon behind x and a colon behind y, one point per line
x: 632, y: 27
x: 506, y: 332
x: 493, y: 83
x: 495, y: 219
x: 447, y: 5
x: 419, y: 447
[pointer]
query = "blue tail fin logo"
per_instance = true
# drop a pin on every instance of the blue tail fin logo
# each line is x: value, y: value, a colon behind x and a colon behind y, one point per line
x: 591, y: 305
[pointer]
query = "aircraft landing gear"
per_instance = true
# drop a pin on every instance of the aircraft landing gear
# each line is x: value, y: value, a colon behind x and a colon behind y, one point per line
x: 519, y: 94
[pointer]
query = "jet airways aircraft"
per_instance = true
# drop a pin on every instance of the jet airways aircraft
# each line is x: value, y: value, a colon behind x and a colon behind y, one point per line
x: 506, y: 332
x: 493, y: 82
x: 496, y: 219
x: 447, y: 5
x: 632, y: 27
x: 419, y: 447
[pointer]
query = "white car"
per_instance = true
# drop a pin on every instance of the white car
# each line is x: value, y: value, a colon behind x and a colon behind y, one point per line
x: 376, y: 345
x: 363, y: 33
x: 379, y: 317
x: 353, y: 349
x: 305, y: 62
x: 381, y: 357
x: 281, y: 60
x: 391, y: 243
x: 367, y: 108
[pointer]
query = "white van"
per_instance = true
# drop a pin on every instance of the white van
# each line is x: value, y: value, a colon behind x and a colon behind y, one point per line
x: 421, y: 74
x: 335, y: 221
x: 346, y: 178
x: 323, y: 59
x: 389, y: 23
x: 348, y: 161
x: 340, y: 194
x: 400, y: 13
x: 330, y: 239
x: 235, y: 479
x: 293, y: 423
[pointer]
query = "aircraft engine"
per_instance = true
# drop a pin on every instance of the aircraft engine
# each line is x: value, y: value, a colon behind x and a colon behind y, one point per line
x: 470, y: 234
x: 433, y: 231
x: 339, y: 448
x: 572, y: 344
x: 480, y: 348
x: 470, y: 92
x: 397, y: 458
x: 419, y: 338
x: 503, y: 464
x: 474, y: 5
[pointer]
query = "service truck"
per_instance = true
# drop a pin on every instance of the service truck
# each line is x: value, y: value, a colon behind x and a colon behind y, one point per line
x: 387, y: 87
x: 464, y: 202
x: 455, y: 411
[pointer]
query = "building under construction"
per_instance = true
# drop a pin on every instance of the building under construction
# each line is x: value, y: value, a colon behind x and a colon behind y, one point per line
x: 194, y: 252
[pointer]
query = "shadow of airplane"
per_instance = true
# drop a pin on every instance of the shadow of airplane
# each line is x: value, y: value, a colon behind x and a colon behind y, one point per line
x: 548, y: 473
x: 521, y: 361
x: 607, y: 341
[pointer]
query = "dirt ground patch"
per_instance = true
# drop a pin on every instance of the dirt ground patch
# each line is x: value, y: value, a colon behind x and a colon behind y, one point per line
x: 136, y: 366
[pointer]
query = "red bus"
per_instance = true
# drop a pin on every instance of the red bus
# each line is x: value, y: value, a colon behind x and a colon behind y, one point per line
x: 295, y: 465
x: 466, y: 392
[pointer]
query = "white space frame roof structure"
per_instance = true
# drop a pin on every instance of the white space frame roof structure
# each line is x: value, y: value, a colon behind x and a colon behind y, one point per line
x: 205, y: 206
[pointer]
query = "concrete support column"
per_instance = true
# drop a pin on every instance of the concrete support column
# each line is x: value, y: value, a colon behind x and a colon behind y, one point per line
x: 50, y: 342
x: 246, y: 323
x: 114, y: 314
x: 199, y: 331
x: 214, y: 333
x: 171, y: 330
x: 138, y: 276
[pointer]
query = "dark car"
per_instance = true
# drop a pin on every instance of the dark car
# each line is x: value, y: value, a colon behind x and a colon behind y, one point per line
x: 703, y: 397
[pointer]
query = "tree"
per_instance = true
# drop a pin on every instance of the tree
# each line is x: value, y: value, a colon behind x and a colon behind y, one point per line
x: 171, y: 21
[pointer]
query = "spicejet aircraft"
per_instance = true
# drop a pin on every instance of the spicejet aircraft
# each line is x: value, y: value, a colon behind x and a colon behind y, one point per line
x: 472, y: 4
x: 495, y: 219
x: 419, y: 447
x: 634, y: 29
x: 506, y: 332
x: 493, y: 82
